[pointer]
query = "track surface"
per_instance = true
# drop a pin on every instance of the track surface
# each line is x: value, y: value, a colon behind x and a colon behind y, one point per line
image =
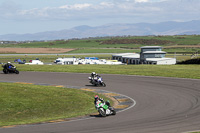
x: 164, y: 105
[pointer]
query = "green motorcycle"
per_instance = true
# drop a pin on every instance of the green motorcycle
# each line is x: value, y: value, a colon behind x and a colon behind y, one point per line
x: 104, y: 109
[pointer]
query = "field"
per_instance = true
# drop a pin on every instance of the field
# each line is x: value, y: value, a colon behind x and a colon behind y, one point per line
x: 33, y: 50
x: 171, y: 44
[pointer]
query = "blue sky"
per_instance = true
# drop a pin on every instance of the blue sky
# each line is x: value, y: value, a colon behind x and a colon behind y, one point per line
x: 32, y: 16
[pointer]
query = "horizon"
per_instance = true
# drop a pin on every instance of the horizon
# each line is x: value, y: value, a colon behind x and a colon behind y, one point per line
x: 97, y: 26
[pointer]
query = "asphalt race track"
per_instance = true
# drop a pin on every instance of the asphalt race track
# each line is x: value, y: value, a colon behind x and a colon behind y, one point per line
x: 164, y: 105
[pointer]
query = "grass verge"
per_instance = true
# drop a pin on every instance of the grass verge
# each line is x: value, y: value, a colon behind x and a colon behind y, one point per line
x: 25, y: 104
x: 179, y: 71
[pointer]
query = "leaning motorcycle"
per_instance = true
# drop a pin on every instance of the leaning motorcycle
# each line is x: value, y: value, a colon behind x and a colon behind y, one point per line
x: 10, y: 70
x: 97, y: 82
x: 104, y: 110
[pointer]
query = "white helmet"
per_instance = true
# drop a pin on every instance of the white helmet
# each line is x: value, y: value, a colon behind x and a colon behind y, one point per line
x: 93, y: 73
x: 8, y: 62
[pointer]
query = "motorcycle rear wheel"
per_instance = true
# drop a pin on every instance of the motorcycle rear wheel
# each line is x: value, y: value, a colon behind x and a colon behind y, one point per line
x: 5, y: 71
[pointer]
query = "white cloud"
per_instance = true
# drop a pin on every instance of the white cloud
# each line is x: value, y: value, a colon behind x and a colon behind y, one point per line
x: 34, y: 12
x: 121, y: 10
x: 76, y: 6
x: 106, y: 4
x: 98, y: 12
x: 141, y: 0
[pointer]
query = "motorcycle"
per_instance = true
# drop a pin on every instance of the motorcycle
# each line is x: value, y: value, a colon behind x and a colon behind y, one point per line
x: 104, y: 109
x: 9, y: 70
x: 97, y: 82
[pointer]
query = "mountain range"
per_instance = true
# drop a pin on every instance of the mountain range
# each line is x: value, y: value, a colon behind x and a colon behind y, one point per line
x: 137, y: 29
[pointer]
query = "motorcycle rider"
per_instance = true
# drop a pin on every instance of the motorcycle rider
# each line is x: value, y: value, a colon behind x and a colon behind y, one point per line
x: 95, y: 76
x: 9, y: 65
x: 97, y: 100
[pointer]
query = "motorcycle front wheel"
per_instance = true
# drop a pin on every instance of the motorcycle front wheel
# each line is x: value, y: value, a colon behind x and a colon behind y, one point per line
x: 103, y: 84
x: 17, y: 72
x: 113, y: 112
x: 102, y: 113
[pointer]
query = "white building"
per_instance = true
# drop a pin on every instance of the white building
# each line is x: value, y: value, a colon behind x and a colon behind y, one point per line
x: 128, y: 58
x: 148, y: 55
x: 161, y: 61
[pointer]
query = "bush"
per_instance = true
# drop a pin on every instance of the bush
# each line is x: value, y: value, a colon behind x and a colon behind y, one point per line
x: 191, y: 61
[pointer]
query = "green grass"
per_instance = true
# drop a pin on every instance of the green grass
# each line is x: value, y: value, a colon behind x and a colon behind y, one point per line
x: 179, y: 71
x: 97, y: 45
x: 24, y: 104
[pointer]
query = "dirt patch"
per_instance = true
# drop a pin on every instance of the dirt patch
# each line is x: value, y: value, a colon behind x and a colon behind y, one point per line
x: 137, y: 41
x: 34, y: 50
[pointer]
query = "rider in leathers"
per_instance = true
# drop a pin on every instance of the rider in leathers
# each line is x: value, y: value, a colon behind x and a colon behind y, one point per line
x: 94, y: 77
x: 9, y: 65
x: 96, y: 99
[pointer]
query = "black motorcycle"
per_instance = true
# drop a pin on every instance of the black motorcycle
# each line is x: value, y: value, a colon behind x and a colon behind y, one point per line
x: 7, y: 70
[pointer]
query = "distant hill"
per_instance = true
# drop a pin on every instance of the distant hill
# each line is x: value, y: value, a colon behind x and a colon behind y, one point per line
x: 138, y: 29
